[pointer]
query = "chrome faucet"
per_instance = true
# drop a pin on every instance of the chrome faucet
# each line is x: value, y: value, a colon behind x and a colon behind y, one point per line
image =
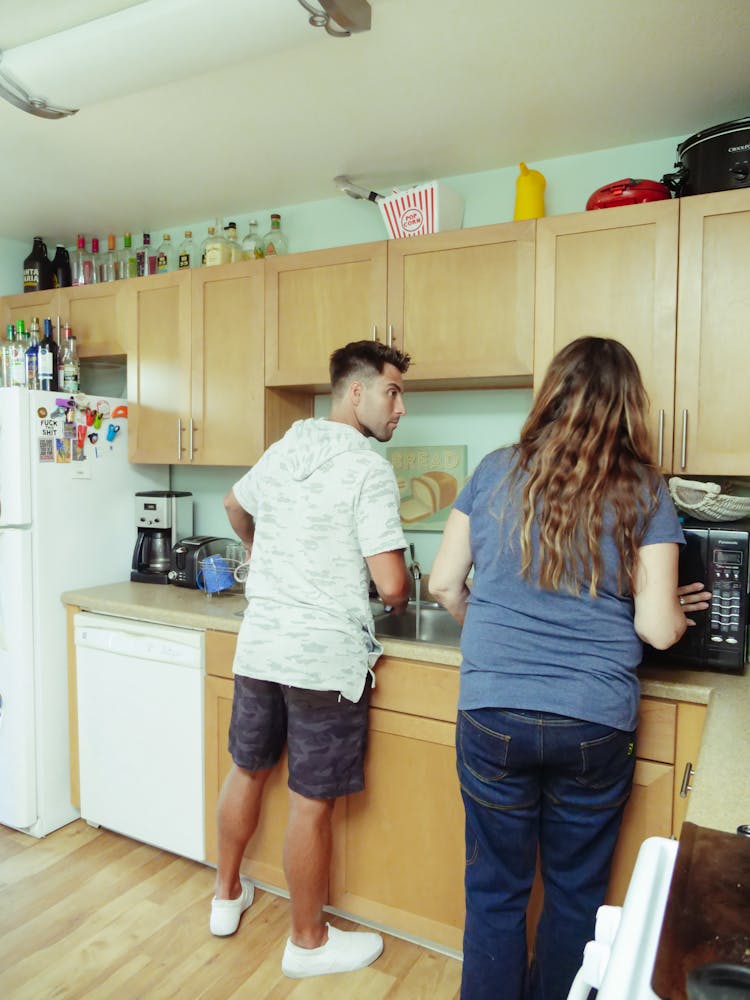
x: 416, y: 572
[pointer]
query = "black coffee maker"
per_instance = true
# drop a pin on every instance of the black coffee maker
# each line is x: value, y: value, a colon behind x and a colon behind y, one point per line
x: 162, y: 517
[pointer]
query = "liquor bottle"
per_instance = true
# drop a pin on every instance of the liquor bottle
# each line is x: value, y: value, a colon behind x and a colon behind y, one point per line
x: 61, y: 277
x: 96, y: 261
x: 82, y: 270
x: 37, y: 269
x: 235, y: 249
x: 252, y: 246
x: 6, y: 356
x: 47, y: 359
x: 188, y: 252
x: 32, y: 355
x: 17, y: 356
x: 108, y: 270
x: 274, y: 242
x: 165, y: 255
x: 214, y: 249
x: 146, y: 257
x: 71, y: 368
x: 127, y: 258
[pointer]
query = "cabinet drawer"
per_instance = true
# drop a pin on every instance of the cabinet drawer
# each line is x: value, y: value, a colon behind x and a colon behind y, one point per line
x: 220, y: 647
x: 415, y: 688
x: 657, y: 730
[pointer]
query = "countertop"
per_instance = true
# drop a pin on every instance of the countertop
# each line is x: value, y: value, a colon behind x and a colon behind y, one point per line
x: 720, y: 798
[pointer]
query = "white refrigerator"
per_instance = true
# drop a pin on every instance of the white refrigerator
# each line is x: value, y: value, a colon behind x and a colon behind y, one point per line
x: 66, y: 521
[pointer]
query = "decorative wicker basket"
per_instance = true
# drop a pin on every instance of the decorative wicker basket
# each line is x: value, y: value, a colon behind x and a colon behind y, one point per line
x: 706, y: 502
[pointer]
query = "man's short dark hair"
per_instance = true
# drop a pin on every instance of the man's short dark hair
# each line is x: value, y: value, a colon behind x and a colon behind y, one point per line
x: 364, y: 357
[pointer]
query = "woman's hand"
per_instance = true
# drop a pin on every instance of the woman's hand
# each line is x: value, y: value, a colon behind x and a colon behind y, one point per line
x: 693, y: 597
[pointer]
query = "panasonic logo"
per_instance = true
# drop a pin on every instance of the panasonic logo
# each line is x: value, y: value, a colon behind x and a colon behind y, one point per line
x: 739, y: 149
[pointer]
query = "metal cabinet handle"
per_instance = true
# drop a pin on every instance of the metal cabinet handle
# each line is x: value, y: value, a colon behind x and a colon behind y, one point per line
x: 179, y: 440
x: 660, y: 457
x: 683, y: 452
x: 389, y: 341
x: 374, y: 331
x: 686, y: 787
x: 190, y: 441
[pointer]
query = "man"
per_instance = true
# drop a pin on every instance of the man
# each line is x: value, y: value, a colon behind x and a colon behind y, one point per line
x: 318, y: 510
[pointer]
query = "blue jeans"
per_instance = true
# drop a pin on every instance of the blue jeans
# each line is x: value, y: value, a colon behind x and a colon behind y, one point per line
x: 528, y: 780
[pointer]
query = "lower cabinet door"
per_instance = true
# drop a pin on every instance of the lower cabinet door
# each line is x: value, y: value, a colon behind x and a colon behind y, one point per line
x: 263, y: 857
x: 399, y: 845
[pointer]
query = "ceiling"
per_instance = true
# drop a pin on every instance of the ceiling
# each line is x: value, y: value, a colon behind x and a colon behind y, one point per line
x: 192, y: 109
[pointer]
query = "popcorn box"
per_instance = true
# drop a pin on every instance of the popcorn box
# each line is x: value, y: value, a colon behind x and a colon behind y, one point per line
x: 428, y: 208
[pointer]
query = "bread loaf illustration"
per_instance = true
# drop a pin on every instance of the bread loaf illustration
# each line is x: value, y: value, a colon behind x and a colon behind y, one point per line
x: 430, y: 493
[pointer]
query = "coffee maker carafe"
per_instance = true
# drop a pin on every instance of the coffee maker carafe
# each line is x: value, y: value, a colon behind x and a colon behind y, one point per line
x: 162, y: 517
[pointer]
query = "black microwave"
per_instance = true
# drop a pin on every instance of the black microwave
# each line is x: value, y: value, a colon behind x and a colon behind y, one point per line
x: 718, y: 555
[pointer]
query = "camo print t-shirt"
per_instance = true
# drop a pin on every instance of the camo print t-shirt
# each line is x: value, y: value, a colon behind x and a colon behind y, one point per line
x: 322, y: 501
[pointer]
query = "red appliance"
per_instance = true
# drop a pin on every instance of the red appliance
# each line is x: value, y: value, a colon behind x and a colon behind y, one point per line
x: 628, y: 191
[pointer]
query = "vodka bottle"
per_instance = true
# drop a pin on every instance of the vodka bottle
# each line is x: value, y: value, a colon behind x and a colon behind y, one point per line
x: 82, y: 265
x: 165, y: 255
x: 188, y: 252
x: 47, y: 359
x: 71, y: 368
x: 61, y: 268
x: 274, y: 242
x: 37, y: 270
x: 16, y: 357
x: 146, y: 257
x: 215, y: 249
x: 108, y: 269
x: 252, y: 246
x: 6, y: 356
x: 127, y: 259
x: 96, y: 261
x: 32, y: 355
x: 235, y: 248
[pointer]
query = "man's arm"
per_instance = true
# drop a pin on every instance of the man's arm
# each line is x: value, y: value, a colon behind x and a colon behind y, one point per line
x: 243, y: 524
x: 391, y: 577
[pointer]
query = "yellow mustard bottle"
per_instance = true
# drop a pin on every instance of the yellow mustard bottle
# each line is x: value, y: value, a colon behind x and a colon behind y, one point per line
x: 530, y: 185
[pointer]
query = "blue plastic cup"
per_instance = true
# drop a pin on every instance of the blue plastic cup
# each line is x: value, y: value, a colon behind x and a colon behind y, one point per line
x: 214, y: 575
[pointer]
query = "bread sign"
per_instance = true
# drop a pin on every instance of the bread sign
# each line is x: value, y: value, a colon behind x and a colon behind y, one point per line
x: 429, y: 479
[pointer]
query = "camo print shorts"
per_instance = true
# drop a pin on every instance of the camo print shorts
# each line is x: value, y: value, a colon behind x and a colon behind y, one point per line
x: 326, y: 735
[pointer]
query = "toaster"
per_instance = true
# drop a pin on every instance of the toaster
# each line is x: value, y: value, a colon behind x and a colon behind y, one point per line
x: 188, y: 553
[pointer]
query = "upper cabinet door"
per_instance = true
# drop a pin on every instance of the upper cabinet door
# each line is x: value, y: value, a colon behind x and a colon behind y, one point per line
x: 227, y: 364
x: 28, y: 304
x: 461, y: 303
x: 613, y: 273
x: 155, y: 318
x: 317, y: 302
x: 713, y: 346
x: 92, y: 311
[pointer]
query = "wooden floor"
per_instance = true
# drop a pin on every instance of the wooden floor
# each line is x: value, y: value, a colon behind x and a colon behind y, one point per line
x: 87, y: 914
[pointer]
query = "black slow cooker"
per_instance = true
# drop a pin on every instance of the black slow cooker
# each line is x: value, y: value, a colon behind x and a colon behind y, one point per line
x: 715, y: 159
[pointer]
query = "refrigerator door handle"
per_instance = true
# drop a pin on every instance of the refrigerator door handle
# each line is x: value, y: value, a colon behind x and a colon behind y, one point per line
x: 179, y: 440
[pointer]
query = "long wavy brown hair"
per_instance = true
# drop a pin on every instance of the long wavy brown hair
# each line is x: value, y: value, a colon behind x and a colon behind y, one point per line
x: 585, y: 451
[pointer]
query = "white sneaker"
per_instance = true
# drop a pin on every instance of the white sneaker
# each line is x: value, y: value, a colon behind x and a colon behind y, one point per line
x: 226, y: 913
x: 344, y: 951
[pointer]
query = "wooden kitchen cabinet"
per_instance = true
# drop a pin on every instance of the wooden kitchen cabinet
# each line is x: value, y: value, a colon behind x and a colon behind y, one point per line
x: 93, y: 312
x: 317, y: 302
x: 461, y: 303
x: 613, y: 273
x: 195, y: 368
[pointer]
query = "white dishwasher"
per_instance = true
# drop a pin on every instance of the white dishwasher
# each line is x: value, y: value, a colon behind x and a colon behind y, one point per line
x: 140, y: 730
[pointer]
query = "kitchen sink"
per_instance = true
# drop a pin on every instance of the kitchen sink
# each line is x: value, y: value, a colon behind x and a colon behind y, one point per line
x: 435, y: 625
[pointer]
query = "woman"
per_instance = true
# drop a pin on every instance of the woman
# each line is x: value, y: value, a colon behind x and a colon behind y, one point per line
x: 574, y: 543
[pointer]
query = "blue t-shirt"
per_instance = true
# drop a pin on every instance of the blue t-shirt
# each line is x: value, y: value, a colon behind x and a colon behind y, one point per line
x: 541, y: 650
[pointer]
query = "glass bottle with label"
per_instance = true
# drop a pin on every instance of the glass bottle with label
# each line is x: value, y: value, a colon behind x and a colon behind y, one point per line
x: 6, y: 356
x: 252, y: 245
x: 32, y: 355
x: 61, y: 268
x: 108, y: 265
x: 127, y: 258
x: 71, y: 368
x: 16, y: 356
x: 82, y: 265
x: 146, y: 257
x: 214, y: 249
x: 165, y: 255
x: 96, y: 261
x: 188, y: 252
x: 37, y: 269
x: 235, y: 248
x: 47, y: 359
x: 274, y: 242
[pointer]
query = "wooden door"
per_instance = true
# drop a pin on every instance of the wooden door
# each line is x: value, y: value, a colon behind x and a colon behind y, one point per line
x: 93, y: 314
x: 228, y: 364
x: 317, y: 302
x: 399, y: 851
x: 613, y: 273
x: 713, y: 349
x: 155, y: 317
x: 461, y: 303
x: 28, y: 304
